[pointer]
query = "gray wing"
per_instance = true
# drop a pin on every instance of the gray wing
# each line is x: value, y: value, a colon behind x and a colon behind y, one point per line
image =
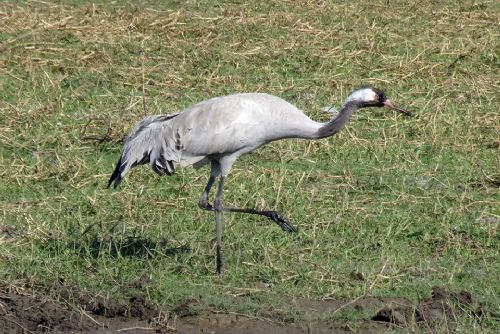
x: 151, y: 141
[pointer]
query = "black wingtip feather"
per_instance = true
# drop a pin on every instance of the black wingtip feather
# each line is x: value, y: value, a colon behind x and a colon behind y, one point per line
x: 116, y: 176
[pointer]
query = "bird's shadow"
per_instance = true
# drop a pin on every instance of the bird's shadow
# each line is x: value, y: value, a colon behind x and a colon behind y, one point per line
x: 96, y: 243
x: 129, y: 246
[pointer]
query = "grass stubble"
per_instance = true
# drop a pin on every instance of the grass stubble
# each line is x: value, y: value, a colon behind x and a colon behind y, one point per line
x: 389, y: 207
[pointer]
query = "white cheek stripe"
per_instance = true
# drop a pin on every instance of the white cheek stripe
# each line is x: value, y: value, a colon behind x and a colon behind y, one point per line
x: 365, y: 95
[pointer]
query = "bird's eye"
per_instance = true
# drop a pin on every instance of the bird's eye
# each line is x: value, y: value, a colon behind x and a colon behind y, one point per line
x: 382, y: 97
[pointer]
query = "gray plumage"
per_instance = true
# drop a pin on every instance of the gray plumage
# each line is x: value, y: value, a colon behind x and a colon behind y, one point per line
x: 221, y: 129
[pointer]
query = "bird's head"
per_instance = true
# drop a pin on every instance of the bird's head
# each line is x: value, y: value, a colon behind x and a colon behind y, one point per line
x: 369, y: 96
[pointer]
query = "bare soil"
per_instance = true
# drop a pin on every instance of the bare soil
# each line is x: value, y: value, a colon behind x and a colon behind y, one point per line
x: 24, y: 312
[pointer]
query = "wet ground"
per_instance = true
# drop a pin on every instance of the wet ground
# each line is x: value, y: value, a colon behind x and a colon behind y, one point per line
x: 23, y: 312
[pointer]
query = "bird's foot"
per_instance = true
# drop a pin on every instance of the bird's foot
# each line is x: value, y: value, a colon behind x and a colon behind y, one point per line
x: 283, y: 222
x: 203, y: 203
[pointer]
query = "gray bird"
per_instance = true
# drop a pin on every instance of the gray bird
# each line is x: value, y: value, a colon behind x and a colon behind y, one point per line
x: 220, y: 130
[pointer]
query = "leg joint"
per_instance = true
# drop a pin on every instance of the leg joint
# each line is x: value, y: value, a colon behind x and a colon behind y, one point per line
x: 217, y: 204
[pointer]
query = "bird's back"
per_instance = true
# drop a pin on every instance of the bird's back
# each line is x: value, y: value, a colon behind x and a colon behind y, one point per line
x: 222, y: 127
x: 238, y: 122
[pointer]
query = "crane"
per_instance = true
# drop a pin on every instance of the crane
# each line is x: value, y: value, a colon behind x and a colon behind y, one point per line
x: 221, y: 129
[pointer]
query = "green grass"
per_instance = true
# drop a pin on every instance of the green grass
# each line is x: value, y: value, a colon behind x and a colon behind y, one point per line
x: 410, y: 203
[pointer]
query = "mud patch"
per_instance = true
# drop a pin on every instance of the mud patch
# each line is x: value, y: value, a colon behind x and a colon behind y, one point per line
x: 437, y: 308
x: 9, y: 231
x: 382, y: 314
x: 208, y: 322
x: 23, y: 312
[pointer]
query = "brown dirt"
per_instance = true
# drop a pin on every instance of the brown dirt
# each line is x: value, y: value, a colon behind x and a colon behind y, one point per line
x: 23, y: 312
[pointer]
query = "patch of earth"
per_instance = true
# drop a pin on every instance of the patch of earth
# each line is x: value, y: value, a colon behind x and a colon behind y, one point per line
x: 23, y: 312
x: 435, y: 309
x: 209, y: 322
x: 8, y: 231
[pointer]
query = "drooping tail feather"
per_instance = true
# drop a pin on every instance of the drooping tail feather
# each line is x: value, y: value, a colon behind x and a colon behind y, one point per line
x: 152, y: 142
x: 116, y: 176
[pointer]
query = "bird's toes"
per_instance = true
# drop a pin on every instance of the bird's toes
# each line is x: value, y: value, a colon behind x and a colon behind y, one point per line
x: 205, y: 205
x: 283, y: 222
x: 288, y: 227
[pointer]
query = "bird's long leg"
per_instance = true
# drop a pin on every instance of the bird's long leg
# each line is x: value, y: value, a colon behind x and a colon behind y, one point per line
x: 214, y: 172
x: 275, y: 216
x: 203, y: 202
x: 218, y: 223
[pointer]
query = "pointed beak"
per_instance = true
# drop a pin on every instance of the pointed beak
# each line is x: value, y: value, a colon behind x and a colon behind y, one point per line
x: 390, y: 105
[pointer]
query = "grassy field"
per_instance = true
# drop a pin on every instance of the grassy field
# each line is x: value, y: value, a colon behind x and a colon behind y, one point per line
x: 390, y: 207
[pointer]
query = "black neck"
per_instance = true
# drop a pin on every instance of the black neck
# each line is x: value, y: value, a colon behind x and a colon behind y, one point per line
x: 335, y: 125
